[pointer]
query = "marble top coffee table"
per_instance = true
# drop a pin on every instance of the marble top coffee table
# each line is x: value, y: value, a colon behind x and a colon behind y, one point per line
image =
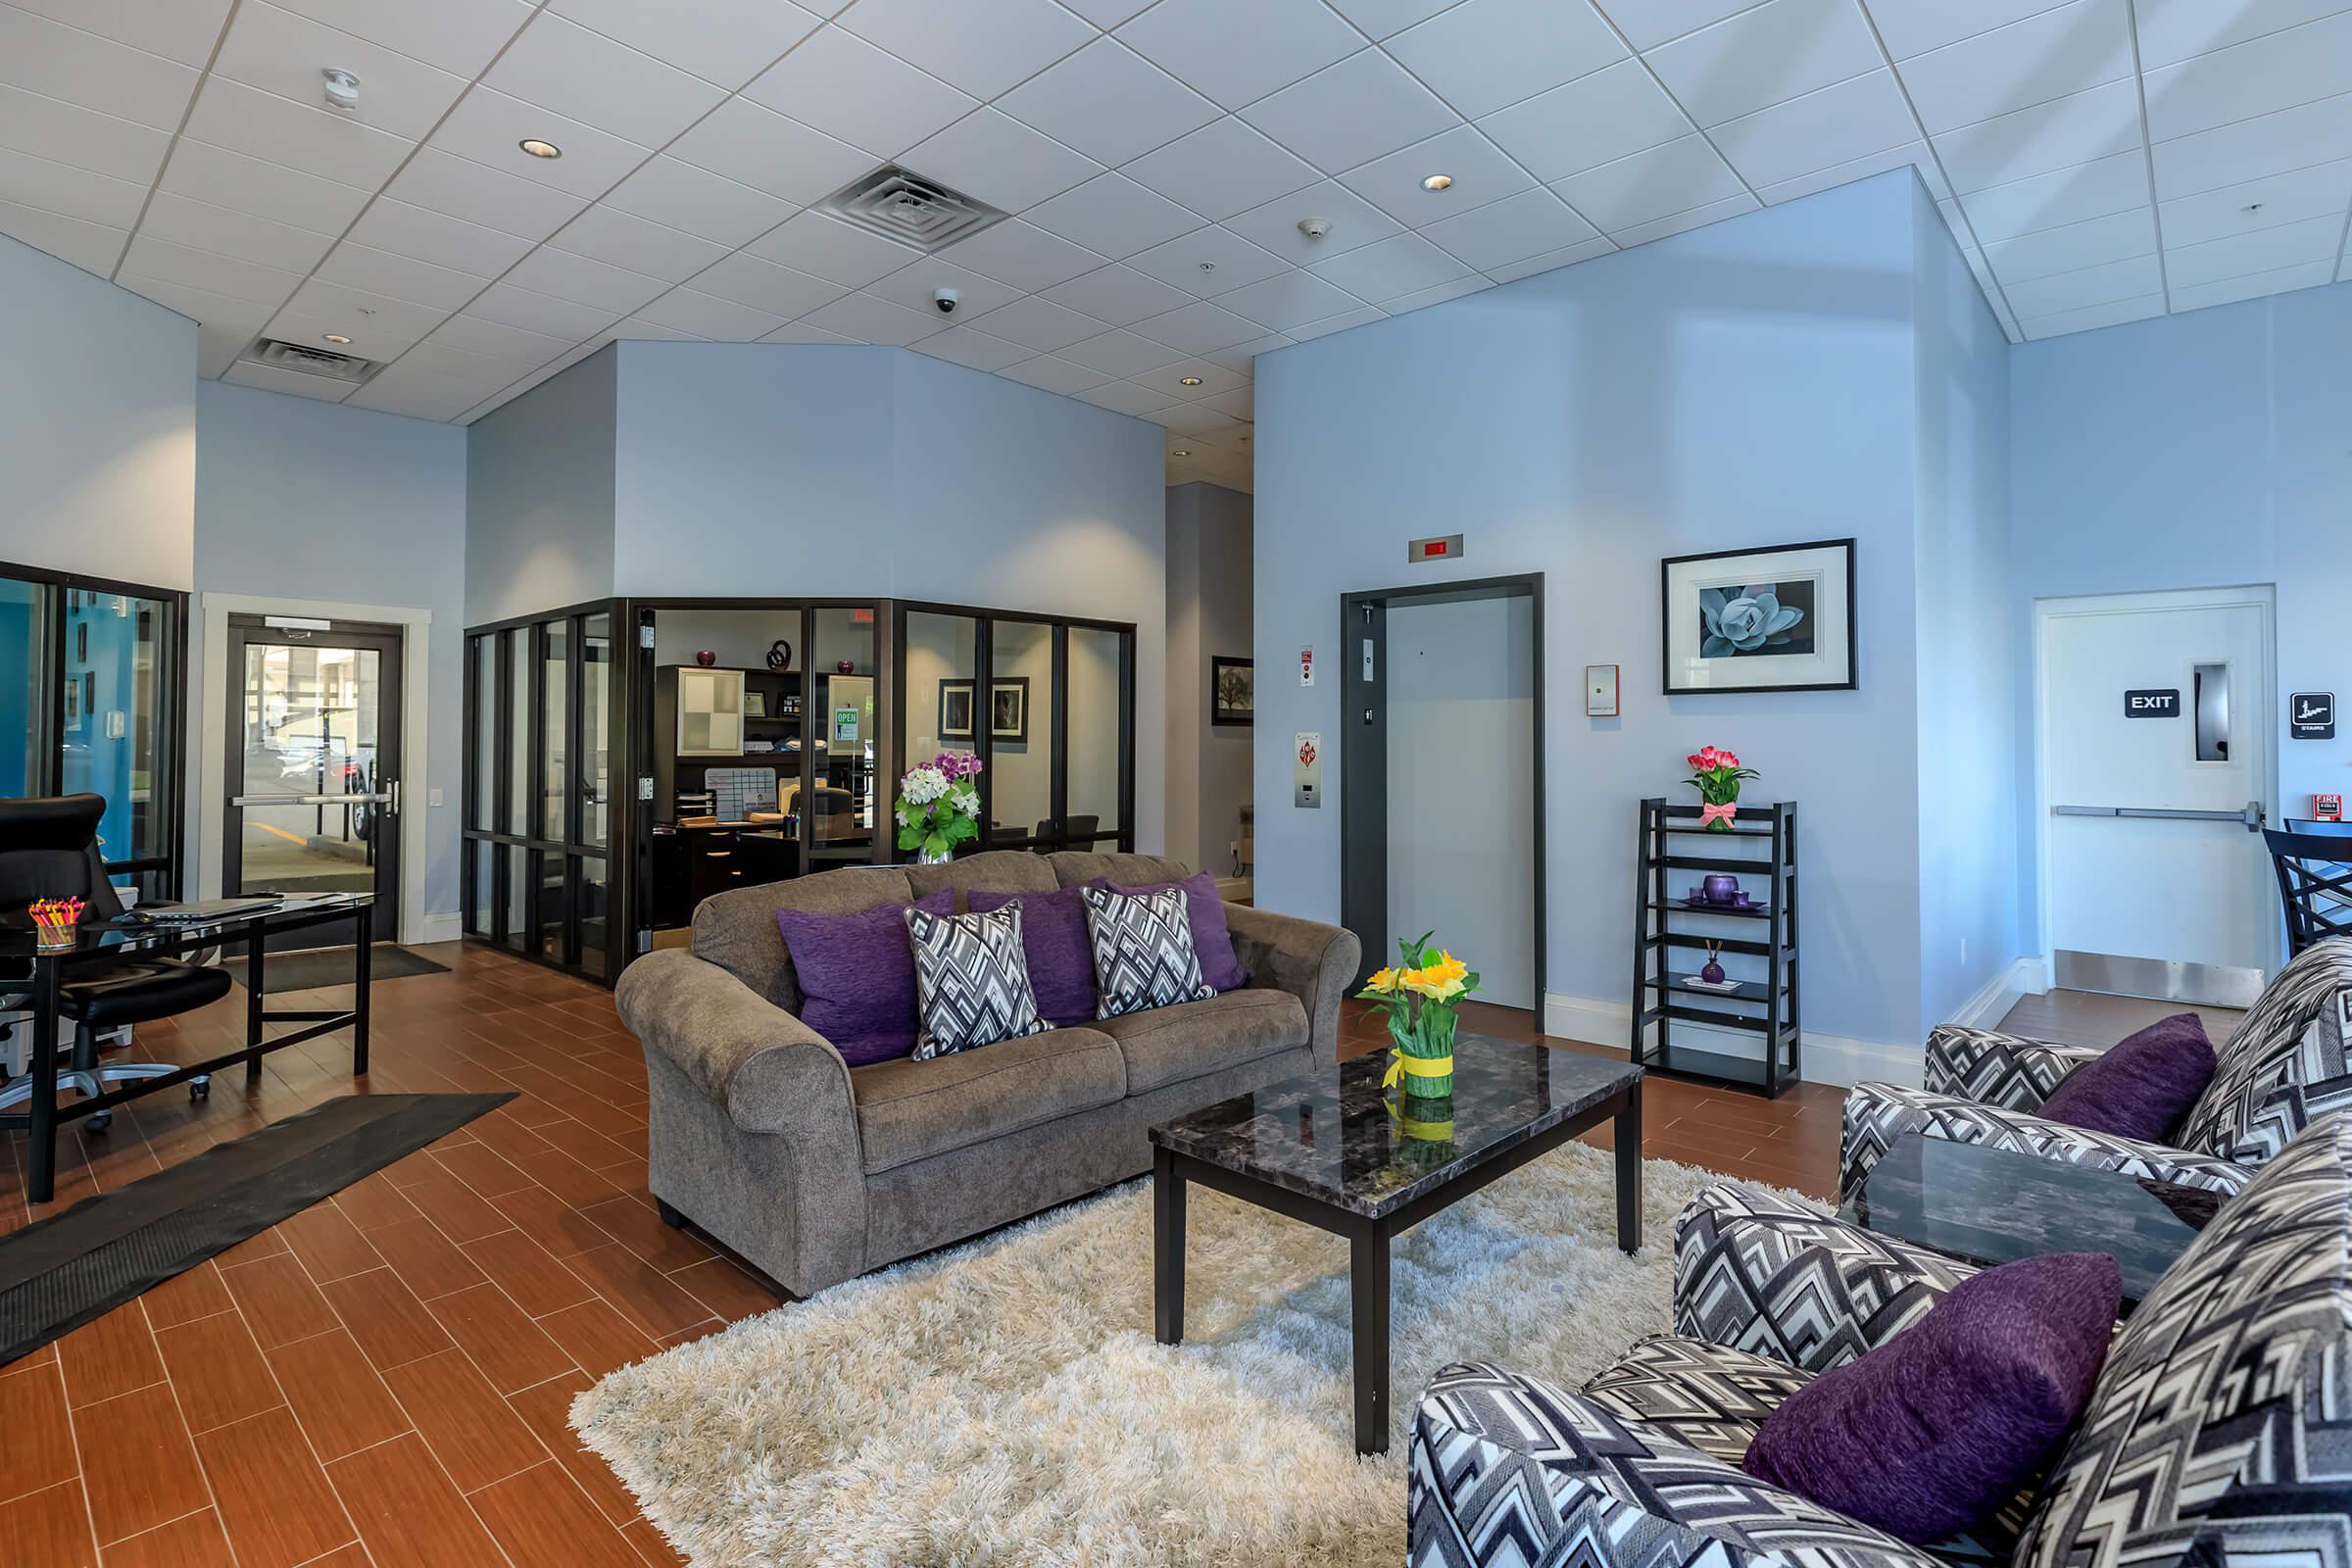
x: 1332, y: 1149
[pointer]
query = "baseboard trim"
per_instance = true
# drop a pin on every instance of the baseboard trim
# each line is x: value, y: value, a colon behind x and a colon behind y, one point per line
x: 444, y: 925
x: 2019, y: 978
x: 1834, y: 1060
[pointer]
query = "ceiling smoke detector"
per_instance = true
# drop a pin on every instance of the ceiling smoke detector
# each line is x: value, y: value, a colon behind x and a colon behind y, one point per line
x: 1314, y: 228
x: 900, y: 205
x: 342, y: 89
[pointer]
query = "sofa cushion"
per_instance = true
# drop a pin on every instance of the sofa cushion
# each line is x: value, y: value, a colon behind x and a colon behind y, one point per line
x: 2273, y: 1062
x: 910, y: 1110
x: 1204, y: 914
x: 971, y: 980
x: 1169, y: 1045
x: 737, y: 930
x: 857, y: 976
x: 1061, y: 958
x: 991, y: 871
x: 1144, y: 954
x: 1072, y: 868
x: 2143, y: 1086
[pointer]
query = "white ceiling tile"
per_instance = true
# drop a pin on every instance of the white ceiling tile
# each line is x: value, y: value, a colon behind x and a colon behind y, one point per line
x: 217, y: 311
x: 1112, y: 216
x: 724, y: 41
x: 1168, y: 380
x: 866, y: 96
x: 2172, y: 31
x: 583, y: 281
x: 826, y: 247
x: 2268, y: 144
x: 770, y: 152
x: 972, y: 347
x: 2112, y: 314
x: 2321, y: 191
x: 746, y: 279
x: 1023, y: 255
x: 2315, y: 239
x: 1106, y: 13
x: 637, y: 329
x: 1481, y: 173
x: 1361, y: 109
x: 1485, y: 55
x: 489, y: 127
x: 1380, y: 18
x: 1422, y: 299
x: 225, y: 232
x: 983, y: 46
x: 316, y: 141
x: 708, y: 316
x: 403, y: 277
x: 802, y: 335
x: 1646, y: 24
x: 1403, y: 264
x: 2085, y: 287
x: 2253, y: 285
x: 1109, y: 103
x: 1207, y: 260
x: 1242, y: 358
x: 544, y: 313
x: 698, y: 202
x: 292, y: 384
x: 1915, y: 26
x: 1508, y: 230
x: 1238, y: 404
x: 31, y: 181
x: 56, y: 60
x: 623, y: 239
x: 1855, y: 119
x: 416, y: 396
x: 1002, y: 162
x: 376, y: 323
x: 1916, y: 154
x: 1275, y: 227
x: 1120, y: 353
x: 1118, y: 294
x: 1202, y: 42
x: 1675, y: 177
x: 217, y: 349
x: 1196, y: 424
x: 1201, y: 327
x: 1682, y: 223
x: 1780, y: 50
x: 1222, y: 169
x: 1552, y: 261
x: 1124, y: 397
x: 2095, y: 189
x: 282, y: 52
x: 2069, y: 50
x: 92, y: 247
x: 266, y: 190
x: 1609, y: 115
x: 875, y: 321
x: 1292, y: 299
x: 183, y: 30
x: 459, y: 187
x: 2277, y: 71
x: 475, y: 334
x: 1039, y: 325
x: 68, y: 133
x: 429, y: 236
x: 465, y: 366
x: 2033, y: 141
x: 916, y: 287
x: 2117, y: 237
x: 1051, y: 373
x: 586, y: 77
x: 1338, y: 323
x: 458, y: 35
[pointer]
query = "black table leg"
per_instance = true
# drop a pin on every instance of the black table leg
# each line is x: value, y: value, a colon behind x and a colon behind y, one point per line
x: 1167, y: 1248
x: 1628, y: 1139
x: 41, y: 1185
x: 358, y: 1005
x: 255, y: 949
x: 1368, y: 1312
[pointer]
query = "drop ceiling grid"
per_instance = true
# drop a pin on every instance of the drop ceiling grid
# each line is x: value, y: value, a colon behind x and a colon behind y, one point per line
x: 1696, y: 109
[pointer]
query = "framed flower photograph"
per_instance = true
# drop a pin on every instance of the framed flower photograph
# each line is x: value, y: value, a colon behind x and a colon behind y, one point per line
x: 1780, y: 620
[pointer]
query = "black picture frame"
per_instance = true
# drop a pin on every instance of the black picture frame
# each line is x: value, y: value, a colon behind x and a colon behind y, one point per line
x: 1678, y: 603
x: 955, y: 718
x: 1222, y: 709
x: 1012, y: 689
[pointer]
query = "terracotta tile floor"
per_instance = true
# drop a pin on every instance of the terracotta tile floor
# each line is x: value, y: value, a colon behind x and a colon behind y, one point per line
x: 384, y: 1378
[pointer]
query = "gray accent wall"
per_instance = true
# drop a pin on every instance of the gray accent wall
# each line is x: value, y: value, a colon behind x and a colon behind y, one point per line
x: 1210, y: 599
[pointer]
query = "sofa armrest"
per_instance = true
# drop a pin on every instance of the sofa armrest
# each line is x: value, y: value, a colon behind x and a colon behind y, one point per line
x: 1506, y: 1468
x: 1763, y: 1273
x: 771, y: 1072
x: 1876, y: 1114
x: 1313, y: 962
x: 1992, y: 1069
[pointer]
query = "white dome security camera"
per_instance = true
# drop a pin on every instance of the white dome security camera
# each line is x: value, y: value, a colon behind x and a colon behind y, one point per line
x: 945, y: 299
x: 1314, y: 228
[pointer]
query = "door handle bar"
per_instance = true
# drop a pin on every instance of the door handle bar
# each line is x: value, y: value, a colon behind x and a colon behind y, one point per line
x: 2250, y: 817
x: 311, y: 800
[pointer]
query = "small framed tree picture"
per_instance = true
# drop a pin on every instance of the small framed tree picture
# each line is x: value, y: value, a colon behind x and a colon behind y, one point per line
x: 1232, y: 691
x: 1780, y: 620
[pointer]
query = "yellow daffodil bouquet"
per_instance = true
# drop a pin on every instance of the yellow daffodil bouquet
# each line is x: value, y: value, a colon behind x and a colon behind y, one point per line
x: 1419, y: 996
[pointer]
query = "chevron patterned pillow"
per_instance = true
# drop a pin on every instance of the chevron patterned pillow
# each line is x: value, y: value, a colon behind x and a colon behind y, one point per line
x: 971, y: 980
x: 1144, y: 954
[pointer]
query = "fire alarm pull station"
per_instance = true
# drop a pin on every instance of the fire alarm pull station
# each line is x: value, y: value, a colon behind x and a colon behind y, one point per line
x: 2327, y: 808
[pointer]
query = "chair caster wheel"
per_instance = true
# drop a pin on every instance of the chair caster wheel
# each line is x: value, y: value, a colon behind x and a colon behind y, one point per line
x: 100, y: 1119
x: 200, y: 1088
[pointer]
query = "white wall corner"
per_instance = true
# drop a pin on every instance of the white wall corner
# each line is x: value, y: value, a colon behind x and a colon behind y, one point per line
x: 2016, y: 979
x: 442, y: 926
x: 1831, y: 1060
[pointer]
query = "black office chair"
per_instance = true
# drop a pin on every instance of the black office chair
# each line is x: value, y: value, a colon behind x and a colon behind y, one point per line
x: 1075, y: 833
x: 49, y: 850
x: 2315, y: 884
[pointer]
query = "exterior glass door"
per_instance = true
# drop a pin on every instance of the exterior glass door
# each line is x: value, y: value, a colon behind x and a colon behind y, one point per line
x: 314, y: 767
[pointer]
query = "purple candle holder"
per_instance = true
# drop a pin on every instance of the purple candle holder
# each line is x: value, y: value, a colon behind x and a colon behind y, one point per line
x: 1720, y: 888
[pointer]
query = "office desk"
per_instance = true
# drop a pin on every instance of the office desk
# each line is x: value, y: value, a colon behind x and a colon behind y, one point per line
x: 98, y: 944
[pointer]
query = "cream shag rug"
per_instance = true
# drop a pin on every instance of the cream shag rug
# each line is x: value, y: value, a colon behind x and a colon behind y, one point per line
x: 1004, y: 1402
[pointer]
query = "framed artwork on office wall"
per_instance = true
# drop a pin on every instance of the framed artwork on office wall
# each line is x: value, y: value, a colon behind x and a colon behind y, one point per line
x: 955, y: 710
x: 1232, y: 691
x: 1007, y: 710
x: 1777, y: 619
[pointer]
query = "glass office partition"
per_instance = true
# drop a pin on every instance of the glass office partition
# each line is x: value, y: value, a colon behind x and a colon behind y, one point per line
x: 1101, y: 715
x: 555, y: 720
x: 25, y: 686
x: 843, y: 652
x: 1020, y: 732
x: 597, y: 693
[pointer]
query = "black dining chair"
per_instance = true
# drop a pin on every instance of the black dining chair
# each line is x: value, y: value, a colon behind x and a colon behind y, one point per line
x: 49, y: 850
x: 2315, y: 882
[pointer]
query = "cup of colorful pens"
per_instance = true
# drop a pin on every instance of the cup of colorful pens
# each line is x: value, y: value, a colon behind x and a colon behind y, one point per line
x: 56, y: 921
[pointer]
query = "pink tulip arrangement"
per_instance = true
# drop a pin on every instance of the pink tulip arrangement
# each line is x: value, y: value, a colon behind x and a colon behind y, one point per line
x: 1717, y: 776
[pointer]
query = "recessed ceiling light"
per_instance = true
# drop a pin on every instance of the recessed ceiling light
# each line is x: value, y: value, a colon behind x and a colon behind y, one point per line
x: 1438, y: 182
x: 541, y: 149
x: 336, y: 338
x: 1182, y: 452
x: 1190, y: 381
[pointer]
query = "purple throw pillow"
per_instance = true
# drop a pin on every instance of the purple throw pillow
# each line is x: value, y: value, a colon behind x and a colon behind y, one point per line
x: 1212, y: 943
x: 857, y: 974
x: 1062, y: 960
x: 2141, y: 1088
x: 1938, y: 1427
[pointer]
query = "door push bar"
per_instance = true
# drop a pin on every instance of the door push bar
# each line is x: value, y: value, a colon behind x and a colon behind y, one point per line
x: 2251, y: 818
x: 387, y: 798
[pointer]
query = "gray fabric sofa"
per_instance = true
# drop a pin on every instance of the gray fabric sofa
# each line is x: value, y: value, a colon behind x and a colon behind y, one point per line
x: 815, y: 1171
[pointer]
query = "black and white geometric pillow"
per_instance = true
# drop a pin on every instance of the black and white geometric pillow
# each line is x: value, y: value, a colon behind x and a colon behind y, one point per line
x: 971, y: 980
x: 2274, y: 1047
x: 1144, y: 955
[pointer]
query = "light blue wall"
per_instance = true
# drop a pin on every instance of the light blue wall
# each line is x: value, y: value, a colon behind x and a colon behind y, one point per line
x: 2196, y: 451
x: 1747, y: 384
x: 539, y: 496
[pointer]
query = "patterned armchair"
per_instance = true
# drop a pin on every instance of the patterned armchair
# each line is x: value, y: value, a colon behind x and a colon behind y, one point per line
x: 2229, y: 1385
x: 2280, y: 1070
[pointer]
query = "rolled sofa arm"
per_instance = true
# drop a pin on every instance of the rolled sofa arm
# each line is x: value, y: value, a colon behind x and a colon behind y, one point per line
x: 1993, y: 1068
x: 772, y: 1072
x: 1313, y: 962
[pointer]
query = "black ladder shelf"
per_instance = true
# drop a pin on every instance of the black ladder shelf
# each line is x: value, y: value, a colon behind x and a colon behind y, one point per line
x: 1674, y: 856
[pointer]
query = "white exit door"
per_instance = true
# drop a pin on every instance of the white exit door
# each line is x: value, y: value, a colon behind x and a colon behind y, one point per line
x: 2156, y: 736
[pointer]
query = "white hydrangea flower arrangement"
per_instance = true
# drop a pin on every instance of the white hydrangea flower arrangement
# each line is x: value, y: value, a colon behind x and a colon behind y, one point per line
x: 939, y: 806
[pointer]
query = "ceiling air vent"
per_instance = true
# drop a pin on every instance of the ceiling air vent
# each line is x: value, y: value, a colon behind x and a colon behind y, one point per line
x: 907, y: 208
x: 326, y: 364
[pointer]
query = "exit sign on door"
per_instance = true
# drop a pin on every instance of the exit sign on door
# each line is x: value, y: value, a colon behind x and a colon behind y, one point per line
x: 2152, y: 704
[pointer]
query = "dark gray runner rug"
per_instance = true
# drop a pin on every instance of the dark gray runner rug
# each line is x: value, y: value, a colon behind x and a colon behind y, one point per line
x: 333, y: 966
x: 59, y: 1273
